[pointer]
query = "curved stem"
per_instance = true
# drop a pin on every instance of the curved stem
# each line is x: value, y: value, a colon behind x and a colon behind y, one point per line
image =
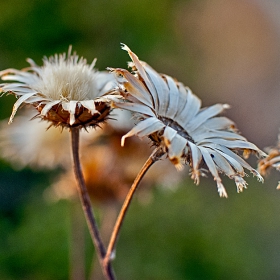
x: 85, y: 200
x: 155, y: 156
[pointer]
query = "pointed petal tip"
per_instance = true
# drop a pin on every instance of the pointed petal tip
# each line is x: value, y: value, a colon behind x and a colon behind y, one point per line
x: 258, y: 175
x: 179, y: 166
x: 260, y: 178
x: 110, y: 69
x: 226, y: 106
x: 195, y: 176
x: 125, y: 47
x: 262, y: 154
x: 123, y: 140
x: 221, y: 190
x: 241, y: 184
x: 223, y: 194
x: 12, y: 115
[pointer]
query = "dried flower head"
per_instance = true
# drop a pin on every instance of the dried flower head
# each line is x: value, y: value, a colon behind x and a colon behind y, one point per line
x: 271, y: 161
x: 66, y: 90
x: 171, y: 115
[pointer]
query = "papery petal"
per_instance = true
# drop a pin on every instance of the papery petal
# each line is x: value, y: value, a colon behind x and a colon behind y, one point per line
x: 240, y: 183
x: 196, y: 159
x: 191, y: 109
x: 237, y: 144
x: 208, y: 134
x: 144, y: 128
x: 135, y: 107
x: 168, y: 135
x: 161, y: 88
x: 233, y: 155
x: 204, y: 115
x: 72, y: 110
x: 234, y: 163
x: 173, y: 98
x: 18, y: 103
x: 141, y: 71
x: 135, y: 88
x: 222, y: 163
x: 218, y: 123
x: 183, y: 97
x: 221, y: 189
x: 90, y: 105
x: 48, y: 106
x: 209, y: 162
x: 176, y: 150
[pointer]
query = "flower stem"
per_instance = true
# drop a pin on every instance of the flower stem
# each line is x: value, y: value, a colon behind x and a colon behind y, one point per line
x: 88, y: 211
x: 155, y: 156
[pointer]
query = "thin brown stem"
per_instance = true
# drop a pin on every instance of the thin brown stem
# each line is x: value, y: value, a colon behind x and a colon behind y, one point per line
x: 88, y: 211
x: 155, y: 156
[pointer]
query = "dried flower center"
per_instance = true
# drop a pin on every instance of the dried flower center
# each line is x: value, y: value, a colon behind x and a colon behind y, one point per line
x: 157, y: 136
x: 181, y: 131
x: 83, y: 118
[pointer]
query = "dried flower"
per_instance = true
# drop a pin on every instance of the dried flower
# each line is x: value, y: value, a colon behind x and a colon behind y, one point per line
x: 271, y: 161
x: 170, y: 114
x: 66, y: 90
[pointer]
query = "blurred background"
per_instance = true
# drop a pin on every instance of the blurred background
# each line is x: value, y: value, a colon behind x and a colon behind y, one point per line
x: 226, y: 52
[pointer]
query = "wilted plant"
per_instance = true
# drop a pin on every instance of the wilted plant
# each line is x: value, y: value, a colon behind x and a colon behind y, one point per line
x: 170, y: 115
x: 70, y: 94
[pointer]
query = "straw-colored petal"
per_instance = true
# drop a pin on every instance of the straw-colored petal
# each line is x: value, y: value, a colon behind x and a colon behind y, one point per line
x: 72, y: 109
x: 135, y: 107
x: 18, y: 103
x: 144, y: 128
x: 48, y: 106
x: 204, y: 115
x: 176, y: 151
x: 208, y: 134
x: 135, y: 88
x: 219, y: 123
x: 222, y: 164
x: 173, y: 98
x: 90, y: 105
x: 141, y: 70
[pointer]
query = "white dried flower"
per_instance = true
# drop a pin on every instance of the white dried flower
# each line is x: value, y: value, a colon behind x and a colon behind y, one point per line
x: 66, y: 90
x: 171, y: 115
x: 271, y: 161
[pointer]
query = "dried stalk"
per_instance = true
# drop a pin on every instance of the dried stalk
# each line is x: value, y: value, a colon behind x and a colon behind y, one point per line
x: 88, y: 211
x: 155, y: 156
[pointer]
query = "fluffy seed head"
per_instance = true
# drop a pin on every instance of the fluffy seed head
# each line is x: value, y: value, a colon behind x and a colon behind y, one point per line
x: 66, y: 90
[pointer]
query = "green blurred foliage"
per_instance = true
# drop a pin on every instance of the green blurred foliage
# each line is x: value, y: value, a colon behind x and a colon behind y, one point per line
x: 187, y: 234
x: 193, y: 234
